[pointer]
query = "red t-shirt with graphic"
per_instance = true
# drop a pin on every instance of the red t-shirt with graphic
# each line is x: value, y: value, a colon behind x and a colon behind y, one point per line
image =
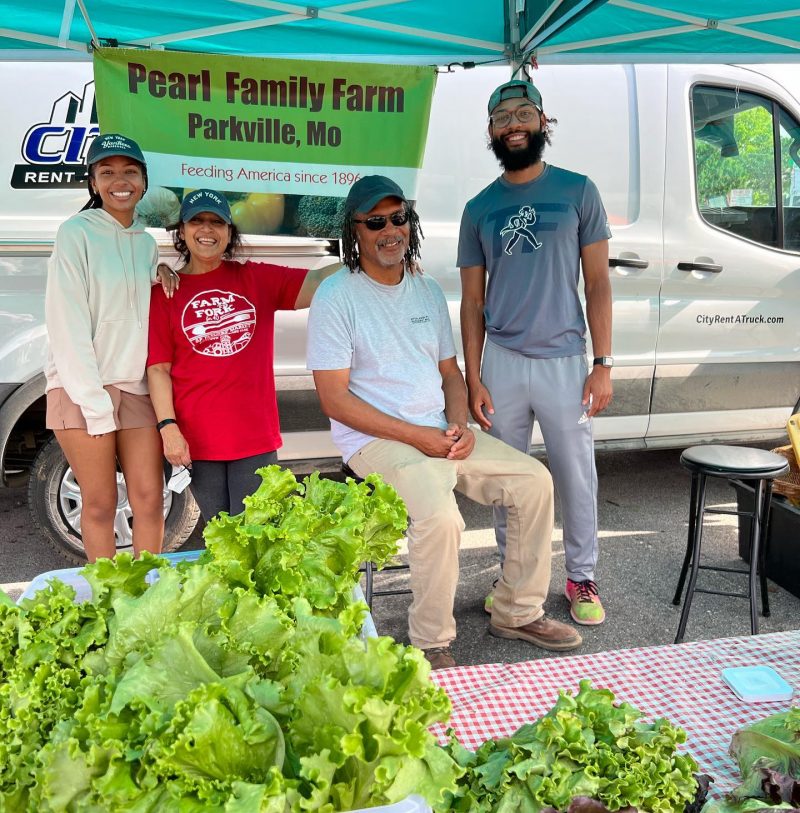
x: 218, y: 334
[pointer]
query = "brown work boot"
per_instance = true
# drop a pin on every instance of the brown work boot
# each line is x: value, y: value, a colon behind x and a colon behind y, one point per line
x: 440, y: 657
x: 544, y: 632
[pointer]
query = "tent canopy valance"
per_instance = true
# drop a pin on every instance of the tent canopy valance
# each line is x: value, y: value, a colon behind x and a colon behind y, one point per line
x: 413, y: 31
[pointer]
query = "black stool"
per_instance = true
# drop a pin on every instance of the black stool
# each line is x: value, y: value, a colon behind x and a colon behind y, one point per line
x: 732, y: 463
x: 368, y: 568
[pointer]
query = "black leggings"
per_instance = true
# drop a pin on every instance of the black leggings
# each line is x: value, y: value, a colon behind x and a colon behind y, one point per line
x: 221, y: 485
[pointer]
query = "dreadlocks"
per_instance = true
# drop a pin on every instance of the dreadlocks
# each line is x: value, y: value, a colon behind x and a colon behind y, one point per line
x: 350, y: 243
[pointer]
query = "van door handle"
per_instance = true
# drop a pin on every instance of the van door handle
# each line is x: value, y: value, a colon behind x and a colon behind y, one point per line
x: 625, y: 262
x: 712, y: 267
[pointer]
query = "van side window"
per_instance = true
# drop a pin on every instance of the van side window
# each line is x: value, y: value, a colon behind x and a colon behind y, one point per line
x: 790, y: 180
x: 740, y: 186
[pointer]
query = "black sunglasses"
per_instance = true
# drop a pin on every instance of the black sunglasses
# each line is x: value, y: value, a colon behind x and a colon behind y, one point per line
x: 378, y: 222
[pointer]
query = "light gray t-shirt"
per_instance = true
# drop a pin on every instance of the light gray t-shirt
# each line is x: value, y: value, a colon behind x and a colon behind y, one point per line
x: 529, y: 238
x: 391, y: 338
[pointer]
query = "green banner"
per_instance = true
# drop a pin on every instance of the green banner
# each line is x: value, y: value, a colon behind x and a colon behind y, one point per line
x: 258, y: 129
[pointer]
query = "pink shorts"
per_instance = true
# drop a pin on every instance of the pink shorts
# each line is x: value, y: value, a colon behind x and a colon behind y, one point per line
x: 130, y: 411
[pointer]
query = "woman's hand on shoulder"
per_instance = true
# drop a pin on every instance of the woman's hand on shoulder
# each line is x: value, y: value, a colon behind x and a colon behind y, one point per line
x: 169, y: 279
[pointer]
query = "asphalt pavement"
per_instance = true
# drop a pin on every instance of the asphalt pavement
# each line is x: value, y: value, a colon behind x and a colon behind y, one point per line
x: 643, y: 512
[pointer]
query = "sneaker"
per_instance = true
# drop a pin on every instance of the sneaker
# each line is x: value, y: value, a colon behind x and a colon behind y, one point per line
x: 440, y: 657
x: 544, y: 632
x: 584, y: 602
x: 488, y: 602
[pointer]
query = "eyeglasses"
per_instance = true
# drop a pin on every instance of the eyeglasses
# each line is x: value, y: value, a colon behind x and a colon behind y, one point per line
x: 524, y: 114
x: 378, y: 222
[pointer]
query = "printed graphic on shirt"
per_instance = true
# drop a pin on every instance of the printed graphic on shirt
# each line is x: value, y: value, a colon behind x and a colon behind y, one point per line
x: 518, y: 227
x: 219, y: 323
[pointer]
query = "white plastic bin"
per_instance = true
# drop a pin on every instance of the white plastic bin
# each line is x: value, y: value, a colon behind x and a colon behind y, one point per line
x: 83, y: 592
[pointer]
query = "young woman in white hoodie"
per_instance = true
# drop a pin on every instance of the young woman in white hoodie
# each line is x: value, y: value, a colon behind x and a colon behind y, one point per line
x: 97, y: 310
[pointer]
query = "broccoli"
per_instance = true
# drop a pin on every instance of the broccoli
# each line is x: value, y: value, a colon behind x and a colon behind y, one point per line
x: 321, y: 216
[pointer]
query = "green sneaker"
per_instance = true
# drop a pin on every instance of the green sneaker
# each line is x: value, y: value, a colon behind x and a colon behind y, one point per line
x: 584, y: 602
x: 489, y: 600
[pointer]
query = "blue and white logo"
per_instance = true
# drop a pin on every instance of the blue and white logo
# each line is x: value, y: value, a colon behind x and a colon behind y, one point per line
x: 519, y: 227
x: 54, y: 151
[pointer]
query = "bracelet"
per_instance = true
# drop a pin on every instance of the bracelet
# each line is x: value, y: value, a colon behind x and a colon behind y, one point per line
x: 161, y: 424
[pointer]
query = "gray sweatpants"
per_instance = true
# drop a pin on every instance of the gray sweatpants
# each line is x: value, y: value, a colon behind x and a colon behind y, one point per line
x: 549, y: 391
x: 221, y: 485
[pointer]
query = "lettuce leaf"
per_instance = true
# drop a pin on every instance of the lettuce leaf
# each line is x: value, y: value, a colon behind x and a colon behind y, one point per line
x: 769, y: 747
x: 587, y: 753
x: 307, y: 539
x: 745, y: 806
x: 364, y: 713
x: 236, y: 684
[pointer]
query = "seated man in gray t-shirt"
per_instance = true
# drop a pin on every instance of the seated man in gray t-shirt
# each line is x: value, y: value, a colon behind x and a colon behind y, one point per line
x: 381, y: 348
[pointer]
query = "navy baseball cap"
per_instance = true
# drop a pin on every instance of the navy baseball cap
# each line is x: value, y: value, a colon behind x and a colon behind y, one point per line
x: 515, y: 89
x: 369, y: 191
x: 205, y: 200
x: 109, y: 144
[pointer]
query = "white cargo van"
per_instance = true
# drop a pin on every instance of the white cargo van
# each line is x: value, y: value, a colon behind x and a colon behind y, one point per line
x: 699, y: 169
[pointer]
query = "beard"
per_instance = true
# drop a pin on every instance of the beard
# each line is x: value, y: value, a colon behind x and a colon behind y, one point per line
x: 514, y: 160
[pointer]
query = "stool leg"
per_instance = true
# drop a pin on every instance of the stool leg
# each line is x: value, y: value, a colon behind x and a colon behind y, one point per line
x: 697, y: 538
x: 688, y: 557
x: 755, y: 544
x: 762, y: 550
x: 368, y: 575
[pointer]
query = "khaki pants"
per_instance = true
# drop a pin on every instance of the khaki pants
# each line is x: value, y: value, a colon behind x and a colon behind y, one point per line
x: 494, y: 474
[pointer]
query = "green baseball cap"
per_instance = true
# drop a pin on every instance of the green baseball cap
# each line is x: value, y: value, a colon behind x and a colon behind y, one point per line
x: 515, y: 89
x: 369, y: 191
x: 108, y: 144
x: 205, y: 200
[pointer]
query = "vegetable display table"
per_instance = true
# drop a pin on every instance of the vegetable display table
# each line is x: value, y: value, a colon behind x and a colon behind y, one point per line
x: 680, y: 682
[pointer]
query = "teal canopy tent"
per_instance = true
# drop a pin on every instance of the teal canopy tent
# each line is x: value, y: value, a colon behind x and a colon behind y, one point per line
x: 413, y: 31
x: 674, y: 31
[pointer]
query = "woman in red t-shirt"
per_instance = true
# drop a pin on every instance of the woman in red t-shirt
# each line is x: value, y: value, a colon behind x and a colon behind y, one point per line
x: 210, y: 357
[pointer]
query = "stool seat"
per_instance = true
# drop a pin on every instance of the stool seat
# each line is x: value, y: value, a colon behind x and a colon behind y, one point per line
x: 737, y: 462
x: 731, y: 463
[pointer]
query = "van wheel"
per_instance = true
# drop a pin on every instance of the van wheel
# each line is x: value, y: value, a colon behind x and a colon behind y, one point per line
x: 54, y: 500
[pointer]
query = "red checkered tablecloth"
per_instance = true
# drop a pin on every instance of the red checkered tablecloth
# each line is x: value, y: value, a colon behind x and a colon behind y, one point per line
x: 680, y: 682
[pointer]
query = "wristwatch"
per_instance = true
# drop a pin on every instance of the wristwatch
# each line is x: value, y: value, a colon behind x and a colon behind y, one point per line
x: 603, y: 361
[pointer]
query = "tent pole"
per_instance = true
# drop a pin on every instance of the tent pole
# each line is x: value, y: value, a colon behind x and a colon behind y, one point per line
x: 87, y: 20
x: 514, y: 8
x: 328, y: 13
x: 532, y: 39
x: 66, y: 21
x: 39, y: 39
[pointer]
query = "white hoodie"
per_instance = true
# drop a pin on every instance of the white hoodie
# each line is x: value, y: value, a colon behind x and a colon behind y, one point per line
x: 97, y: 309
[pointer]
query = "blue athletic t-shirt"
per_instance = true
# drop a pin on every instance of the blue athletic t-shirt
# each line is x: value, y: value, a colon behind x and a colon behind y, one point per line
x: 529, y: 238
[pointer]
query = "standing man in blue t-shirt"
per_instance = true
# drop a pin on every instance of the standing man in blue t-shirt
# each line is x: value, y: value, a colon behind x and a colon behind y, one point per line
x: 524, y: 240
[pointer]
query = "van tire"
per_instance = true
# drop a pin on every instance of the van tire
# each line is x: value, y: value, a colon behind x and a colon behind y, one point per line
x: 47, y: 479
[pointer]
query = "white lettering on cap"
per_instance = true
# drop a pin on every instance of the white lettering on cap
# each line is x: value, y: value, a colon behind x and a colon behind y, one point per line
x: 114, y: 143
x: 197, y: 195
